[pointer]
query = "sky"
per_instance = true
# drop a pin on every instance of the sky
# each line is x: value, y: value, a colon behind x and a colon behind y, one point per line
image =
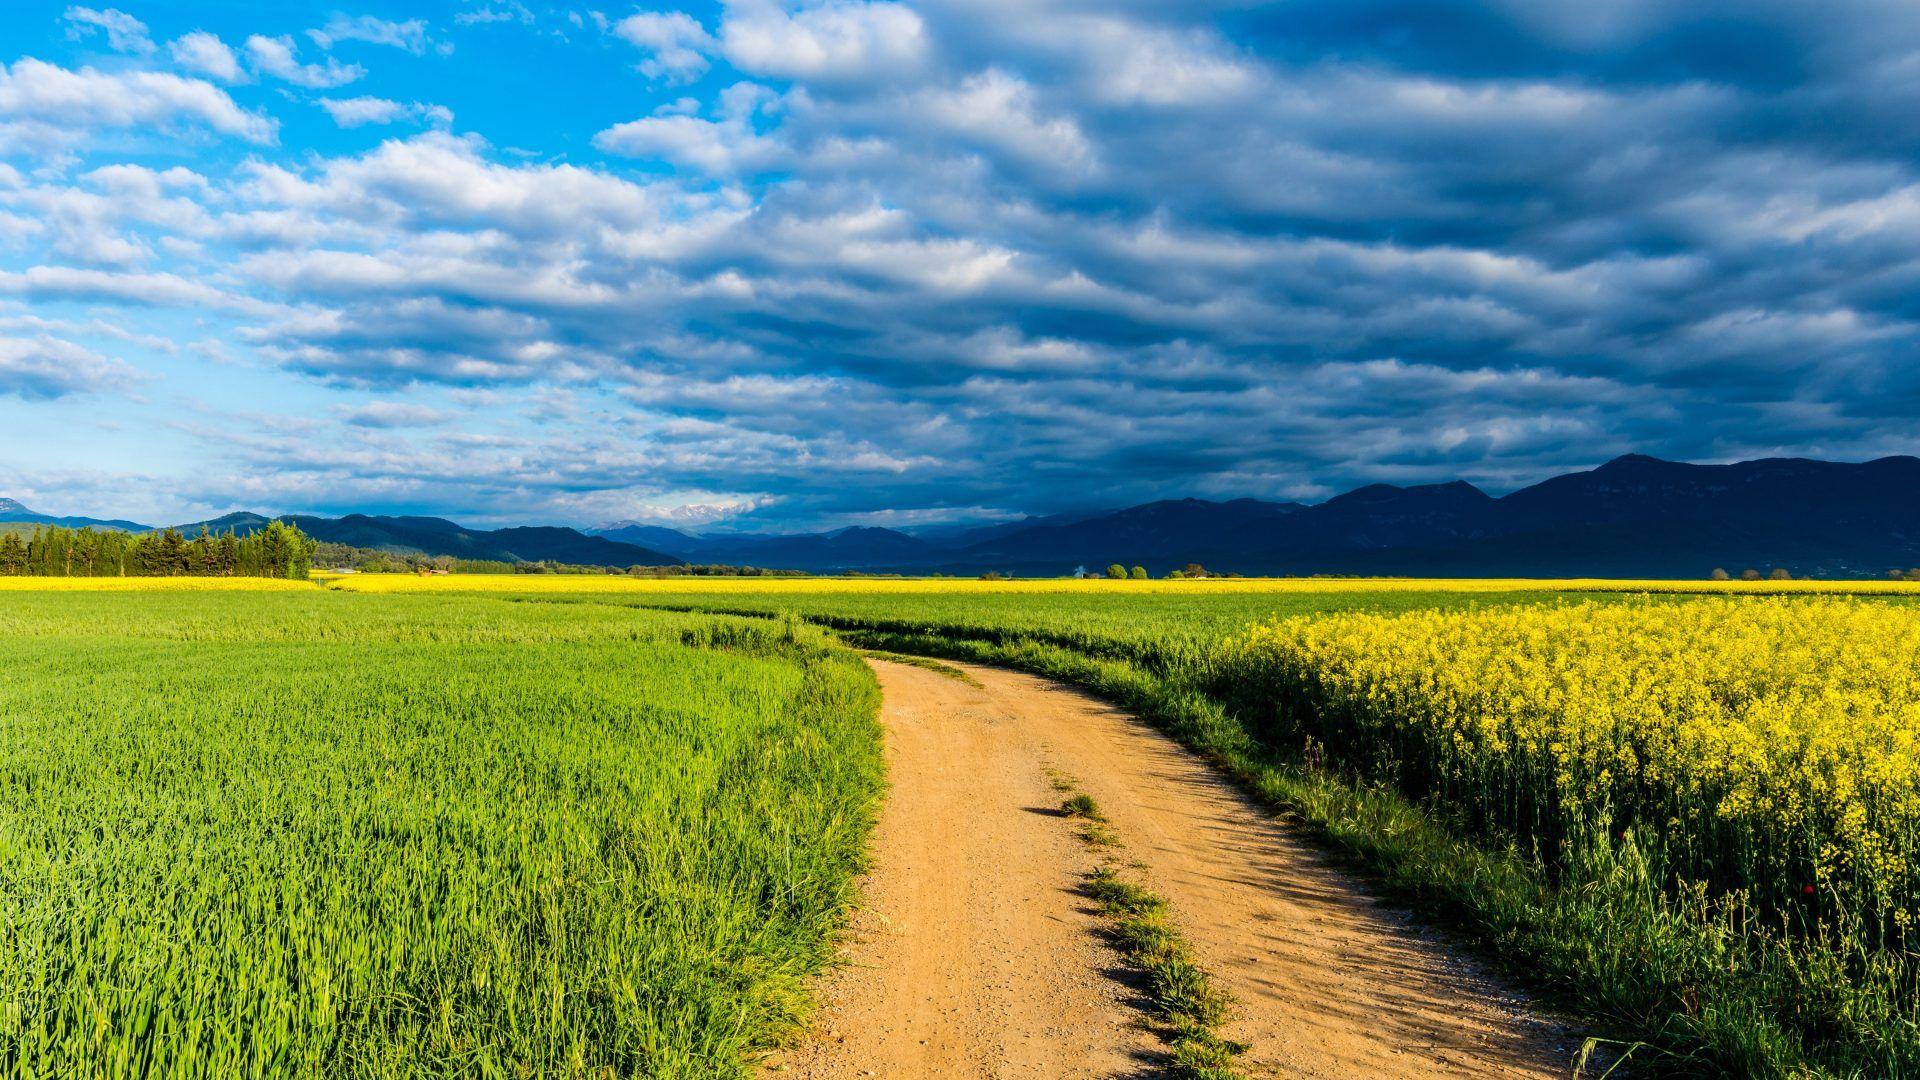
x: 791, y: 264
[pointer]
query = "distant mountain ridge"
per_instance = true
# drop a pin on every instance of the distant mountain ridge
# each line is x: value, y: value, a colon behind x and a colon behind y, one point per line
x: 1635, y: 516
x: 13, y: 512
x: 842, y: 549
x: 400, y: 535
x: 1155, y: 532
x: 438, y: 536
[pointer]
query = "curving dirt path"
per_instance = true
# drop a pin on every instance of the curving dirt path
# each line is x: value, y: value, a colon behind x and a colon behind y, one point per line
x: 974, y: 954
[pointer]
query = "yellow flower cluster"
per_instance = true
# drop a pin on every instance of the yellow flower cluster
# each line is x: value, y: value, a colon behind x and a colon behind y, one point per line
x: 1770, y: 746
x: 152, y: 584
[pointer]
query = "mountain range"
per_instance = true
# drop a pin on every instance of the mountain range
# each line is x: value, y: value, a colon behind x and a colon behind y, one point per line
x: 13, y: 513
x: 438, y: 536
x: 1635, y: 516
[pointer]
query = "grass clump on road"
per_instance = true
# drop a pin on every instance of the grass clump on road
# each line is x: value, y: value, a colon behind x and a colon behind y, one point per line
x: 1082, y: 806
x: 1185, y: 1000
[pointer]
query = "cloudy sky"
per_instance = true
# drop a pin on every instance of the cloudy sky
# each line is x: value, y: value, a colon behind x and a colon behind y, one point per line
x: 791, y: 263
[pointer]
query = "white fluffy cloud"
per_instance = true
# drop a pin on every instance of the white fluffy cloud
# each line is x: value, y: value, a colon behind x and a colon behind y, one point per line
x: 124, y: 32
x: 205, y: 54
x: 38, y: 91
x: 361, y: 111
x: 55, y: 283
x: 678, y: 45
x: 279, y: 57
x: 410, y: 35
x: 43, y: 367
x: 726, y: 147
x: 1000, y: 111
x: 838, y: 41
x: 435, y: 181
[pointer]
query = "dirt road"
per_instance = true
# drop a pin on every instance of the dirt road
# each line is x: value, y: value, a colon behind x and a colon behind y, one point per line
x: 974, y: 954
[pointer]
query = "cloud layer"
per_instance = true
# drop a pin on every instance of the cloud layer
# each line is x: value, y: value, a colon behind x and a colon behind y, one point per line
x: 878, y: 261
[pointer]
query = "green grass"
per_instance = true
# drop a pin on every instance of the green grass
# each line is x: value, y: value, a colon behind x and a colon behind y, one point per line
x: 331, y: 835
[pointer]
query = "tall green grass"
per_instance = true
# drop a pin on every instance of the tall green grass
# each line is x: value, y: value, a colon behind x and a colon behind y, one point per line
x: 329, y: 835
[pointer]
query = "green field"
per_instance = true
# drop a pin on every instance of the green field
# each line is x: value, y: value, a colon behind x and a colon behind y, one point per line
x: 396, y: 826
x: 1158, y: 630
x: 305, y: 834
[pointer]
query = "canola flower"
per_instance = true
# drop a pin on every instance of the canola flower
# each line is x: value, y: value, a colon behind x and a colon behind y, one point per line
x: 1768, y: 750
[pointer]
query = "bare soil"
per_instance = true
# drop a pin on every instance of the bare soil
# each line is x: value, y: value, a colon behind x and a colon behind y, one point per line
x: 976, y: 955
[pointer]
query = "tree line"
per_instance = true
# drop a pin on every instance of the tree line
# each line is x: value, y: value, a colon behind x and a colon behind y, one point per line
x: 279, y: 550
x: 334, y: 556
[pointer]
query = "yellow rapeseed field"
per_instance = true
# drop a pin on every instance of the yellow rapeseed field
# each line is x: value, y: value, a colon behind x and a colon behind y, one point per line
x: 1766, y: 747
x: 152, y: 584
x: 814, y: 586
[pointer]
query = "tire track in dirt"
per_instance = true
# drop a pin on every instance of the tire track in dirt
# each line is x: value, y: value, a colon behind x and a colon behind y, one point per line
x: 974, y: 954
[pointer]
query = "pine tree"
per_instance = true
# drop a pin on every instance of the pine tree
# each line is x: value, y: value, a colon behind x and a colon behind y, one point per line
x: 173, y: 553
x: 273, y: 550
x: 147, y: 560
x: 13, y: 555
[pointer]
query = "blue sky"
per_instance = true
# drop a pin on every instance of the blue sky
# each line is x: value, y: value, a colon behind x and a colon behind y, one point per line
x: 792, y: 264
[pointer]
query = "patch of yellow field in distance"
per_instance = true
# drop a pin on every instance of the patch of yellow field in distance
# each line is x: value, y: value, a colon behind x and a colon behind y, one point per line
x: 152, y: 584
x: 708, y: 586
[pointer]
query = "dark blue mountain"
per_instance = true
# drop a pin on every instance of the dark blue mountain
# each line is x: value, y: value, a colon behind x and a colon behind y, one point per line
x: 959, y: 536
x: 1635, y: 516
x: 12, y: 512
x: 1156, y: 533
x: 438, y: 536
x: 657, y: 537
